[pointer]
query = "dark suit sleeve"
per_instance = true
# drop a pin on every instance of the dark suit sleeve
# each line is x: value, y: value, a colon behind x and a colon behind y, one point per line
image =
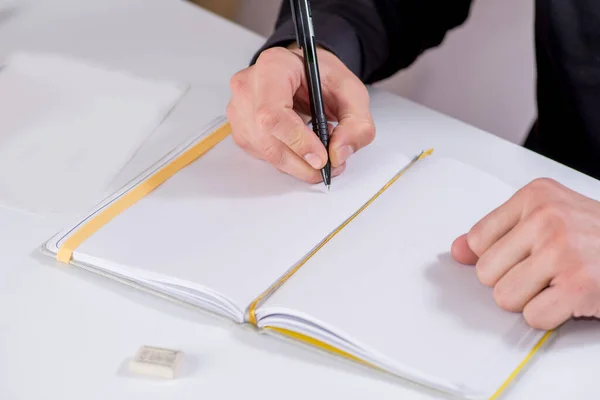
x: 374, y: 38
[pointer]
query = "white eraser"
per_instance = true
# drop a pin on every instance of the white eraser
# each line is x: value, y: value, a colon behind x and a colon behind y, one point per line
x: 156, y: 362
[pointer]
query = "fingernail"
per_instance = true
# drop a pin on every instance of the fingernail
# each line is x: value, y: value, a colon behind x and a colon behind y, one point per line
x: 314, y: 160
x: 344, y: 152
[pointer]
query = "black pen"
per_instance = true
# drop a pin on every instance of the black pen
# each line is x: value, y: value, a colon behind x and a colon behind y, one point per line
x: 305, y: 36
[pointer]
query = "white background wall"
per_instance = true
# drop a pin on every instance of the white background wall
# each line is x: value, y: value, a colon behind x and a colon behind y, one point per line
x: 483, y: 73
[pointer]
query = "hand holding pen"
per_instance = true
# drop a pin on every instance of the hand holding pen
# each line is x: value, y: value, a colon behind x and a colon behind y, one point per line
x: 267, y: 97
x: 302, y: 16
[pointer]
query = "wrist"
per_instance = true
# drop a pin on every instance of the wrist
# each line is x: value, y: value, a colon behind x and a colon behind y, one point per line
x: 336, y: 38
x: 322, y: 52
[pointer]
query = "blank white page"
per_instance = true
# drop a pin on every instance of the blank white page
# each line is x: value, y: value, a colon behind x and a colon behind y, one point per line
x: 388, y: 282
x: 234, y: 224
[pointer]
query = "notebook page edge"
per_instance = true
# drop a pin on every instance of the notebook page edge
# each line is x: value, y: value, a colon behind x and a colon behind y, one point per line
x: 168, y: 282
x: 144, y: 286
x: 317, y: 342
x: 163, y: 294
x: 300, y: 327
x: 374, y: 358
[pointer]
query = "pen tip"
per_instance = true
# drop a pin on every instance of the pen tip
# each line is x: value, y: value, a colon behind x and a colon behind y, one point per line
x: 329, y: 188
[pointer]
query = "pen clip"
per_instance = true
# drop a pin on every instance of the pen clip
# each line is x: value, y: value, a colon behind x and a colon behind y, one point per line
x: 293, y: 4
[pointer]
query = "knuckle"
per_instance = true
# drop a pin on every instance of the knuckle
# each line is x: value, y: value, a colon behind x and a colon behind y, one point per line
x: 357, y: 89
x: 296, y: 139
x: 539, y: 189
x: 238, y: 82
x: 360, y: 88
x: 240, y: 140
x: 585, y: 292
x: 230, y: 111
x: 542, y: 184
x: 586, y: 280
x: 555, y: 212
x: 369, y: 132
x: 562, y: 241
x: 267, y: 118
x: 551, y: 215
x: 474, y: 239
x: 483, y: 274
x: 273, y: 155
x: 504, y: 300
x: 534, y: 319
x: 271, y: 55
x: 550, y: 258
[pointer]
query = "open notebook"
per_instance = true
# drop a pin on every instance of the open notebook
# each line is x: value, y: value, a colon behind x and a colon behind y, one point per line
x: 363, y: 271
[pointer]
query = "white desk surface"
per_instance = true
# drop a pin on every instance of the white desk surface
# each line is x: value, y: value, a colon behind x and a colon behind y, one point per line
x: 65, y: 334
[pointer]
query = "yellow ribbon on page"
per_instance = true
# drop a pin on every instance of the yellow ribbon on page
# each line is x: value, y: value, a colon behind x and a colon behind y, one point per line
x: 256, y: 302
x: 522, y: 365
x: 317, y: 343
x: 65, y: 253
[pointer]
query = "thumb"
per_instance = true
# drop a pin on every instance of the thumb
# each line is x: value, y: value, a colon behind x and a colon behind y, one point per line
x: 461, y: 251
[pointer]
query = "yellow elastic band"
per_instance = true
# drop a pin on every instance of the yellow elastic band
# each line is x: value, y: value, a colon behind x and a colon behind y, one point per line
x: 317, y: 343
x: 272, y: 288
x: 138, y: 192
x: 425, y: 154
x: 514, y: 374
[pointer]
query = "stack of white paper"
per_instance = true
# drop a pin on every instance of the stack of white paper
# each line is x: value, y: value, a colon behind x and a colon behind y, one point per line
x: 68, y: 127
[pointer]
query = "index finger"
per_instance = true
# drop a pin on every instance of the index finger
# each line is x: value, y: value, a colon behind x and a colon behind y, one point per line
x: 495, y: 224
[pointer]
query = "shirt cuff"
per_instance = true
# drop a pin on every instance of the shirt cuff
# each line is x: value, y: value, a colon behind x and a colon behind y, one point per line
x: 332, y: 32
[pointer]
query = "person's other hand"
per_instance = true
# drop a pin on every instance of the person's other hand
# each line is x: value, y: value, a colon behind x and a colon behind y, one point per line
x: 540, y: 251
x: 269, y: 98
